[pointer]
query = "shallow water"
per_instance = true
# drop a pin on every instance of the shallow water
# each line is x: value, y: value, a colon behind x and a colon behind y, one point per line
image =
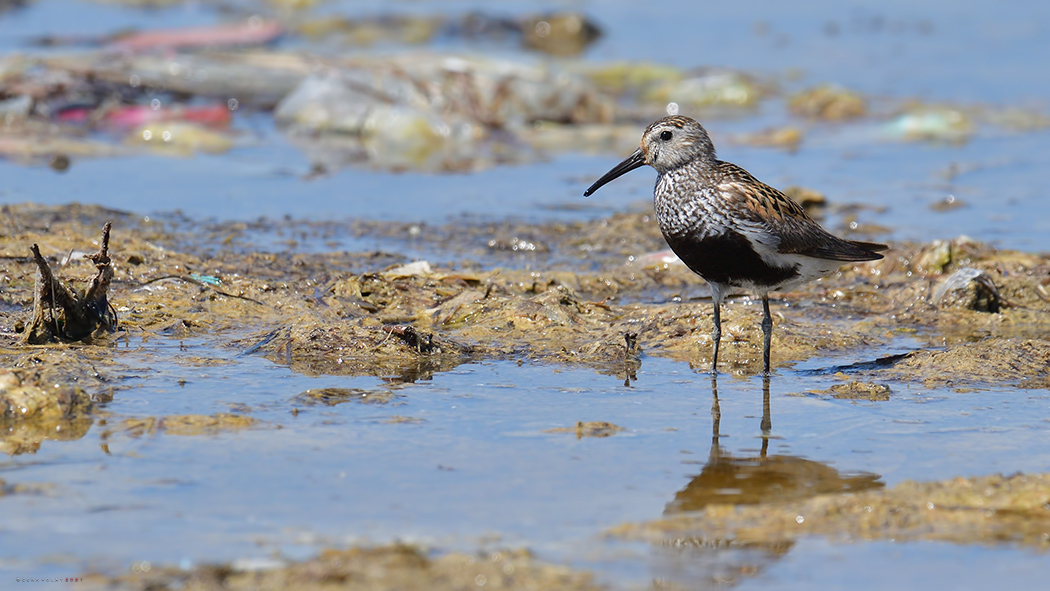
x: 479, y: 467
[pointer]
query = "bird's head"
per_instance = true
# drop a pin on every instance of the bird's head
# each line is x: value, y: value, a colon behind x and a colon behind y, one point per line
x: 667, y: 144
x: 674, y: 141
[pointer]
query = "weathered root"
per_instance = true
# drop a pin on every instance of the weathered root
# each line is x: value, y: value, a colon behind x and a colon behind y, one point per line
x: 60, y: 313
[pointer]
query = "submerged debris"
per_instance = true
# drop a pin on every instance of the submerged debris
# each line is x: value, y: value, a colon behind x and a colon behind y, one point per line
x: 855, y: 390
x: 991, y: 509
x: 401, y: 567
x: 60, y: 313
x: 186, y: 424
x: 589, y: 429
x: 334, y: 396
x: 24, y: 488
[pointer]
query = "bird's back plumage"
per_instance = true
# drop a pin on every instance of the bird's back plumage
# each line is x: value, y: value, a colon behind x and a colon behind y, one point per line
x: 782, y: 217
x: 732, y: 229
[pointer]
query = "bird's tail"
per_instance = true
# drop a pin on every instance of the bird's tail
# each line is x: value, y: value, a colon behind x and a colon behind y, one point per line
x: 840, y: 249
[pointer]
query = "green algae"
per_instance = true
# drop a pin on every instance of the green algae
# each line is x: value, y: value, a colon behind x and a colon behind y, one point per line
x: 358, y: 314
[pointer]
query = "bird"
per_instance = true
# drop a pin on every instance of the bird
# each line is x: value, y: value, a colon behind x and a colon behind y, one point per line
x: 728, y: 227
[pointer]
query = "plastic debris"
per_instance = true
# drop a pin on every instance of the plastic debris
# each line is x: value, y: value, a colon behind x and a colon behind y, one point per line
x: 710, y: 87
x: 258, y: 79
x: 15, y: 108
x: 435, y: 112
x: 417, y: 268
x: 931, y: 123
x: 133, y: 115
x: 180, y: 138
x: 253, y: 32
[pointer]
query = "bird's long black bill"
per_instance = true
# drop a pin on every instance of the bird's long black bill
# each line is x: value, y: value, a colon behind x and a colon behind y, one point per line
x: 636, y: 160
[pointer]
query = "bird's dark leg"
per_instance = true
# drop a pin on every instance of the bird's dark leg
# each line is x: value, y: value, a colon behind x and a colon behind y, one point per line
x: 716, y: 336
x: 767, y: 422
x: 716, y: 418
x: 767, y: 332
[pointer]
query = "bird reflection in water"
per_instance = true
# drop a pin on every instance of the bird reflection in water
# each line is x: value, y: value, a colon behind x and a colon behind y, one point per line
x: 701, y: 561
x: 750, y: 480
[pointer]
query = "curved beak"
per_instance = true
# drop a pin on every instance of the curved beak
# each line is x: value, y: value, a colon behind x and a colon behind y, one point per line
x: 636, y: 160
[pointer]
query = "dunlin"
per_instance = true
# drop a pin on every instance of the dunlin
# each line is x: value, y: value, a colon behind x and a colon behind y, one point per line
x: 729, y: 227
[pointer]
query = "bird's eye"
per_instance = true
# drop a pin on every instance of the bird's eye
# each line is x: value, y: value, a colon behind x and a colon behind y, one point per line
x: 666, y: 136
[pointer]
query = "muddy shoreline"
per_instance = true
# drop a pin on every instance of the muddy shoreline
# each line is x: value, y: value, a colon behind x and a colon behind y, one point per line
x: 590, y: 294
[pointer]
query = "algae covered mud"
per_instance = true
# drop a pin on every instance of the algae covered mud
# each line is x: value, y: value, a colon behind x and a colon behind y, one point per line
x: 283, y: 418
x: 369, y: 335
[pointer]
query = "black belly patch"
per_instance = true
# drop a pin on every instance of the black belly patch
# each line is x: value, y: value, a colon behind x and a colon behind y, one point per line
x: 729, y: 259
